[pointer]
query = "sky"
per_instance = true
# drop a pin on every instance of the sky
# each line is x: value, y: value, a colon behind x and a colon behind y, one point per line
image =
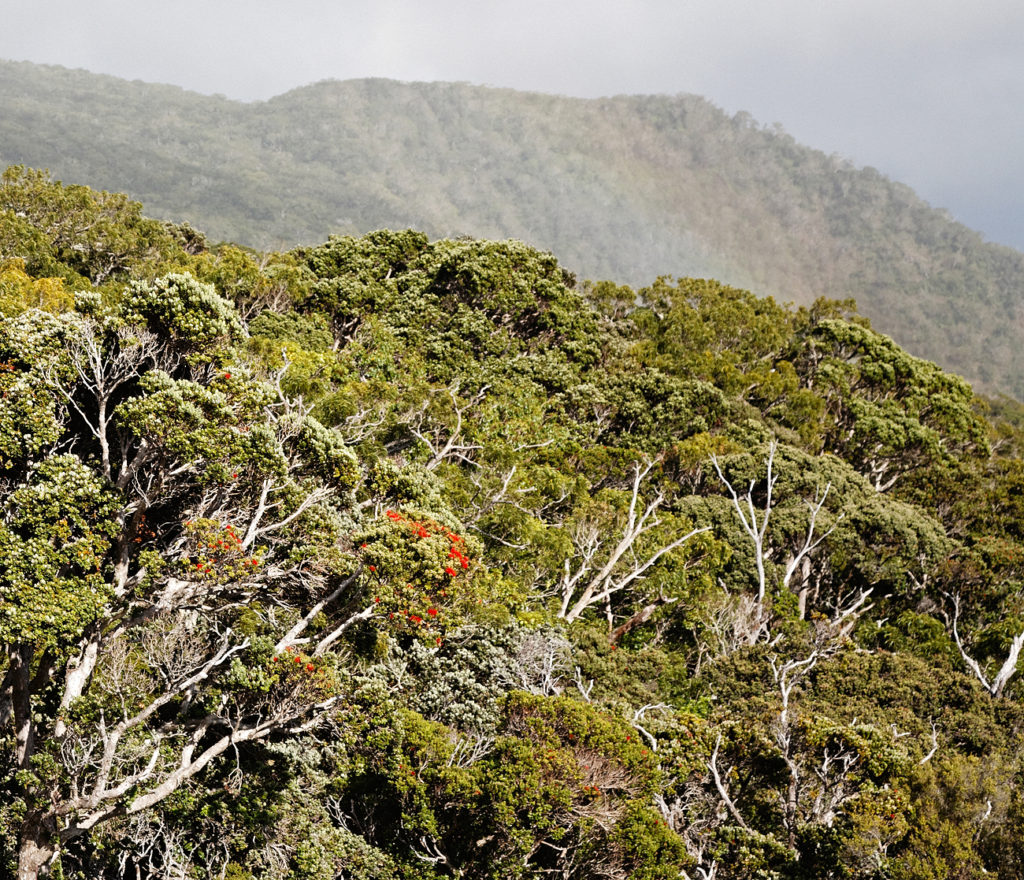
x: 929, y: 92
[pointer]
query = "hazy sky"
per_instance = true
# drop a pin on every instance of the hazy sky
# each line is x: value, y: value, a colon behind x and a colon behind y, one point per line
x: 931, y: 92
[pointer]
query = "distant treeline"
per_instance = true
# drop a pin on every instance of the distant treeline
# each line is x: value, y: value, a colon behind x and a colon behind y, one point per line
x: 626, y: 188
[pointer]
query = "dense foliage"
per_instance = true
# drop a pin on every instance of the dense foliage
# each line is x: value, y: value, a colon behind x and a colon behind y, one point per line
x: 656, y: 184
x: 400, y: 558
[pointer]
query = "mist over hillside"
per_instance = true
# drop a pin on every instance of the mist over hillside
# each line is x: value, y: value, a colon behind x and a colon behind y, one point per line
x: 627, y: 188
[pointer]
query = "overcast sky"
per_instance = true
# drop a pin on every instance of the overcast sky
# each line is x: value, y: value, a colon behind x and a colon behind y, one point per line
x: 931, y: 92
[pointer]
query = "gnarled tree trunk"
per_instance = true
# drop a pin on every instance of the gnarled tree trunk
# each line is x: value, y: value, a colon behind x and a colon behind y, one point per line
x: 36, y: 849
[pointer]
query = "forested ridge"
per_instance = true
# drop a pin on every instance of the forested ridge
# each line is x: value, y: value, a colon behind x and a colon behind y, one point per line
x: 624, y: 188
x: 391, y: 557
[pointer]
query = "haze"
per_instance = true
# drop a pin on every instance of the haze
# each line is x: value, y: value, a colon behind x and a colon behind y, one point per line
x: 927, y: 92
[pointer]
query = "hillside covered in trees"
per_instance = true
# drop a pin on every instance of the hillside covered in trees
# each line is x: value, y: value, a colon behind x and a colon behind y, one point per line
x: 396, y: 558
x: 623, y: 188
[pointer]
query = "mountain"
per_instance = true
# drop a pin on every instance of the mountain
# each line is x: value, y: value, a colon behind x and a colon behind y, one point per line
x: 627, y: 187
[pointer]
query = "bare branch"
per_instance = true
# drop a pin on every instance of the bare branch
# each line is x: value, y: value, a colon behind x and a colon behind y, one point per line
x: 610, y: 578
x: 442, y: 443
x: 723, y: 792
x: 749, y: 519
x: 810, y: 542
x: 638, y: 717
x: 337, y: 633
x: 935, y: 745
x: 1006, y: 671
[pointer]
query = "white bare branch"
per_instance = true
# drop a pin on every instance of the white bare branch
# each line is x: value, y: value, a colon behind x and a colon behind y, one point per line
x: 723, y: 791
x: 614, y: 575
x: 1006, y: 671
x: 749, y: 518
x: 100, y: 370
x: 583, y: 688
x: 340, y: 630
x: 443, y: 443
x: 810, y: 542
x: 638, y: 718
x: 935, y: 745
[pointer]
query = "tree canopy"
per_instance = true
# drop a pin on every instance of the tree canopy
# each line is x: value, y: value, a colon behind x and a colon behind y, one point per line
x: 406, y: 558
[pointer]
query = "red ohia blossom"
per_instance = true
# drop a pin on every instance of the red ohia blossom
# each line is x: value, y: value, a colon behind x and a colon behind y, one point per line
x: 309, y: 667
x: 449, y: 570
x: 415, y: 618
x: 432, y: 612
x: 298, y: 659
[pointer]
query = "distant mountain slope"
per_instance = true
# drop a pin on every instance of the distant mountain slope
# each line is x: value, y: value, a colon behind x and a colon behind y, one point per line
x: 624, y: 188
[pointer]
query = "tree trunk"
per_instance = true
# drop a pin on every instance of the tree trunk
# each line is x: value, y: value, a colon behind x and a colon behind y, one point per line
x: 642, y: 616
x: 792, y: 805
x: 20, y: 659
x: 805, y: 573
x: 36, y: 851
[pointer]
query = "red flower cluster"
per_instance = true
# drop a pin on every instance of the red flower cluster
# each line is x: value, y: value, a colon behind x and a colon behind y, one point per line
x: 423, y: 595
x: 455, y: 553
x: 421, y: 530
x: 298, y: 658
x: 223, y: 549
